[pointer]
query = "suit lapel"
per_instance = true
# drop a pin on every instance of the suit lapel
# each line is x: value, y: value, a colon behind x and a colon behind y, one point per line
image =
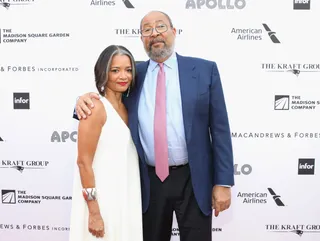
x: 134, y: 104
x: 188, y: 77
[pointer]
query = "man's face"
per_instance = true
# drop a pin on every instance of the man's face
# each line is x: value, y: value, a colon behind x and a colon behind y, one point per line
x: 157, y: 45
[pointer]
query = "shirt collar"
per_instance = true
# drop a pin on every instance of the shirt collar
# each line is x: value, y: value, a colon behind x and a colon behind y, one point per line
x: 169, y: 62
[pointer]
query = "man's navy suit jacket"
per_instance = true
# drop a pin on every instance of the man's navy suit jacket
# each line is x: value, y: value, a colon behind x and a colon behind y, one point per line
x: 206, y: 125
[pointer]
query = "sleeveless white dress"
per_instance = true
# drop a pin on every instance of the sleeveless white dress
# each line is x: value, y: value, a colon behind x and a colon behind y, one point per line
x: 117, y: 178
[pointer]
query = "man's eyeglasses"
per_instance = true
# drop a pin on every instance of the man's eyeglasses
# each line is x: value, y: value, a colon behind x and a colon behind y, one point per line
x: 161, y: 28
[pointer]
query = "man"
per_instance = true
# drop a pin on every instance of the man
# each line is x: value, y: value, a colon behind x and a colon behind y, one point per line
x: 179, y: 124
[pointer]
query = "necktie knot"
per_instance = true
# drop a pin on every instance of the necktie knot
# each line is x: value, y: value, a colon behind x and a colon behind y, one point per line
x: 161, y: 66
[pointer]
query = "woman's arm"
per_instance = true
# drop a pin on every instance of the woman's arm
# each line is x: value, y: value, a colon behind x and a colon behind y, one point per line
x: 89, y: 131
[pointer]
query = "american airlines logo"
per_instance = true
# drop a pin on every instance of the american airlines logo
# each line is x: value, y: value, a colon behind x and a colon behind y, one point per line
x: 127, y: 3
x: 260, y: 198
x: 255, y: 33
x: 271, y: 34
x: 276, y: 197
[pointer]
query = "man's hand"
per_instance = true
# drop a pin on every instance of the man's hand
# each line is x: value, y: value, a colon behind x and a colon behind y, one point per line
x: 221, y: 199
x: 84, y: 104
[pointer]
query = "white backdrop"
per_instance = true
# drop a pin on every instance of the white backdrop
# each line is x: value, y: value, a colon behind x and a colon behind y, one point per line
x: 47, y: 53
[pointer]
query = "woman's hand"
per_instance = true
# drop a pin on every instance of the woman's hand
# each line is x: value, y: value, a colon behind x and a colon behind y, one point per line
x: 96, y: 225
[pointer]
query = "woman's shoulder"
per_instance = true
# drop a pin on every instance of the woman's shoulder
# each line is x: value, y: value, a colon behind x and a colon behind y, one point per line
x: 98, y: 112
x: 98, y: 103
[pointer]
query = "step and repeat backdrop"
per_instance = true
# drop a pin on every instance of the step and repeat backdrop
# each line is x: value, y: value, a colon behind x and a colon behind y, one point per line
x: 268, y: 55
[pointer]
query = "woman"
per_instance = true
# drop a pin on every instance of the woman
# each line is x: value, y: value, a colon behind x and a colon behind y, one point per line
x: 107, y: 197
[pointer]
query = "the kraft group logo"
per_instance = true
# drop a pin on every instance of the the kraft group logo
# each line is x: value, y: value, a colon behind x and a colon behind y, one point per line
x: 8, y: 3
x: 301, y: 4
x: 293, y: 68
x: 127, y: 3
x: 298, y: 229
x: 21, y: 100
x: 135, y: 32
x: 21, y: 165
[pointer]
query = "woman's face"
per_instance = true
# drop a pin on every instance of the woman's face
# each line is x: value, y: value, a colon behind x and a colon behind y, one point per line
x: 120, y: 73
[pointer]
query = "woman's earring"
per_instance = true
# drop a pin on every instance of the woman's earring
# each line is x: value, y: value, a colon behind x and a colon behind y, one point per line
x: 102, y: 88
x: 128, y: 92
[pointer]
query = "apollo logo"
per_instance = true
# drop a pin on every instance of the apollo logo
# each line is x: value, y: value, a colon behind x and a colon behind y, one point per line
x: 21, y: 100
x: 213, y: 4
x: 245, y: 169
x: 64, y: 136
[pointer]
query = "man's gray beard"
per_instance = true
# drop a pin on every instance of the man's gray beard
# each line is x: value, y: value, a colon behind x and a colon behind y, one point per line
x: 159, y: 54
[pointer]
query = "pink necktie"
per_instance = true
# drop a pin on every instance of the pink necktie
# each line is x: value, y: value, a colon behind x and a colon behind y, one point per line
x: 160, y: 127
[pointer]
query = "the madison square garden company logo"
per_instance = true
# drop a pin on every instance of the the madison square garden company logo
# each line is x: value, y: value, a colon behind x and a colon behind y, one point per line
x: 295, y: 103
x: 12, y: 196
x: 23, y: 198
x: 11, y: 36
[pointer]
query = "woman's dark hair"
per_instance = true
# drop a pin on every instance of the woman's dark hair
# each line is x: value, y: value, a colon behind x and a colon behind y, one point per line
x: 103, y: 64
